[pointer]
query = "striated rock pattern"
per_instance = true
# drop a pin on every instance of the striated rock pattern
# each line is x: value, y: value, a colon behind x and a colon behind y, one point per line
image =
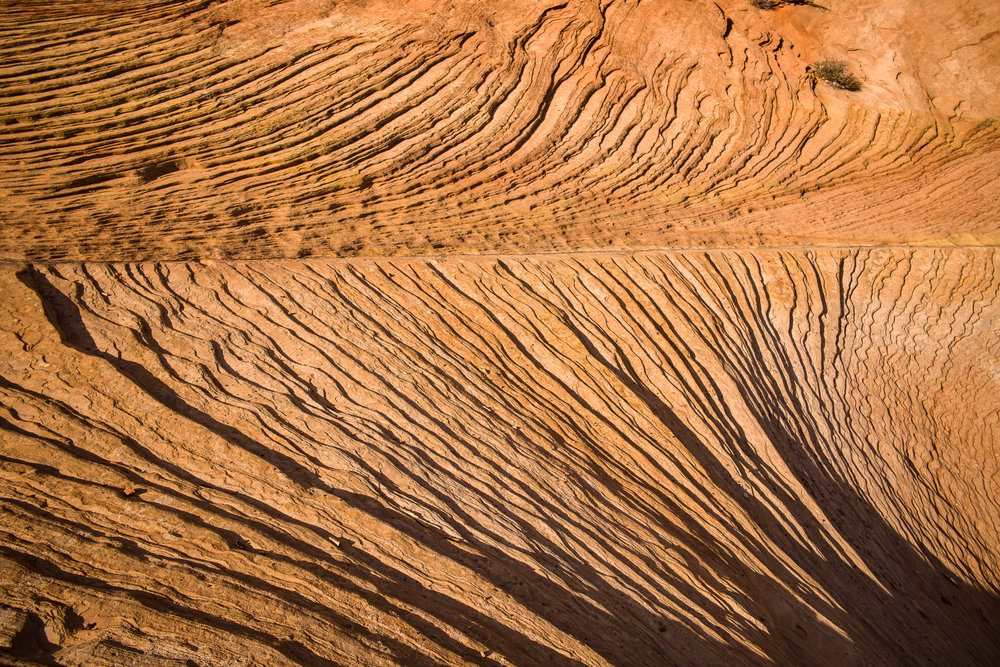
x: 559, y: 332
x: 156, y: 129
x: 723, y: 457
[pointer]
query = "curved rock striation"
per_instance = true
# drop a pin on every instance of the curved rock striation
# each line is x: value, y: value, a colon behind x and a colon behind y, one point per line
x: 191, y: 129
x: 633, y: 459
x: 665, y: 351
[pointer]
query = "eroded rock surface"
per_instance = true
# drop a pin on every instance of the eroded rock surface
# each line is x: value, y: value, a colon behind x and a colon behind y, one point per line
x: 714, y: 457
x: 154, y: 130
x: 668, y: 352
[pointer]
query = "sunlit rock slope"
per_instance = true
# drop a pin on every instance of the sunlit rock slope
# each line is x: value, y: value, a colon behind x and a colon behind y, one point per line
x: 187, y: 128
x: 712, y: 458
x: 521, y: 333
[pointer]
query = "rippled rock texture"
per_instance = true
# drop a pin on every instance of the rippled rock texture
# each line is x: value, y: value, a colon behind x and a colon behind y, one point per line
x: 188, y: 129
x: 522, y: 333
x: 721, y: 457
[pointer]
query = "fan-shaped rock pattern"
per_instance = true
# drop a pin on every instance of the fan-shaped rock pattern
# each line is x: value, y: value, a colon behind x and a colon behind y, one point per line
x: 631, y: 380
x: 713, y: 457
x: 185, y: 128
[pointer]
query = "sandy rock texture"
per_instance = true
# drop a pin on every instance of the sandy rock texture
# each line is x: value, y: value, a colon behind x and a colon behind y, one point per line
x: 523, y: 333
x: 669, y: 457
x: 247, y: 129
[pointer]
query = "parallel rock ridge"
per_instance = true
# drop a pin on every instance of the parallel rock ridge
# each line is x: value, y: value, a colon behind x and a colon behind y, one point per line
x: 719, y: 457
x: 596, y: 332
x: 160, y: 129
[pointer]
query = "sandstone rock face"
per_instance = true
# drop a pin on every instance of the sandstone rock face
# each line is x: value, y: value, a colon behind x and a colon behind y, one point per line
x: 668, y: 353
x: 153, y: 130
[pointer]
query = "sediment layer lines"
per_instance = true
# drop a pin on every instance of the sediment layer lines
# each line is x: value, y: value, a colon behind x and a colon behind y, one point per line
x: 193, y: 129
x: 629, y: 459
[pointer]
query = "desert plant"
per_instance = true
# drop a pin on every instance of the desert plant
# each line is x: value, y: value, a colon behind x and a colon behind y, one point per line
x: 835, y: 73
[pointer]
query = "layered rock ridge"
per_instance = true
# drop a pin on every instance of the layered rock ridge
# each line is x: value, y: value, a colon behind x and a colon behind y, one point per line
x: 726, y: 456
x: 192, y: 129
x: 562, y: 332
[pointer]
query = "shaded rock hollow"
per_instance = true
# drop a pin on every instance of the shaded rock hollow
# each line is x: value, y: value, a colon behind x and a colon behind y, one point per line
x: 722, y: 456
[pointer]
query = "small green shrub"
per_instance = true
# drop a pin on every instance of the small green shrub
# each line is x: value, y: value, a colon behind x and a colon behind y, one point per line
x: 835, y: 73
x: 766, y: 4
